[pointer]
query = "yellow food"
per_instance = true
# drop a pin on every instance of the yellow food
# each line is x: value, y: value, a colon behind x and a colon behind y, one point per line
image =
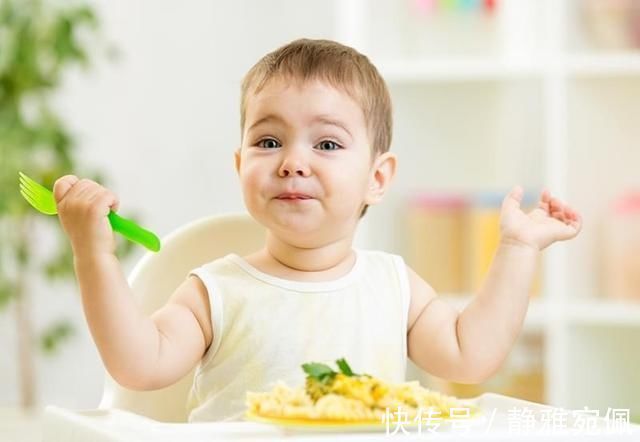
x: 350, y: 398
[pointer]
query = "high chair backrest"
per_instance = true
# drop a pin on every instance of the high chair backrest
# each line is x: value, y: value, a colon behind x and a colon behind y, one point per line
x: 155, y: 277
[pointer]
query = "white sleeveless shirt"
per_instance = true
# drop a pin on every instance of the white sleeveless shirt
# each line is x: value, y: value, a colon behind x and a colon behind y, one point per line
x: 266, y: 327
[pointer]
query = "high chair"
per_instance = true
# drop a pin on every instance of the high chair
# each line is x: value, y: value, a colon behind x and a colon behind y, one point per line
x: 153, y: 280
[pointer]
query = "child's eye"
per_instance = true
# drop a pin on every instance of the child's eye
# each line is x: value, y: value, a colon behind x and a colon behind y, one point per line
x: 328, y: 145
x: 268, y: 143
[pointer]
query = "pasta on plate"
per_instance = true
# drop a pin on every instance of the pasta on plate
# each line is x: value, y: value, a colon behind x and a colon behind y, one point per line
x: 345, y: 396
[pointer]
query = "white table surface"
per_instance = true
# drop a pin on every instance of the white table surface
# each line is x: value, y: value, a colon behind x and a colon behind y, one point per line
x: 17, y: 425
x: 59, y: 424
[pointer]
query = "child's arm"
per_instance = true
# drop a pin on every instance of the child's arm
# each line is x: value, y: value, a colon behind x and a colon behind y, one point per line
x: 139, y: 352
x: 470, y: 346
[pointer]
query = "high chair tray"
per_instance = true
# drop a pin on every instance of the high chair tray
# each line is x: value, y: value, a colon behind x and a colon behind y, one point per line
x: 504, y: 419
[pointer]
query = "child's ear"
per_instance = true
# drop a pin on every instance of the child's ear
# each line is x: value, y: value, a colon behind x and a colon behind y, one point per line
x: 236, y: 156
x: 382, y: 172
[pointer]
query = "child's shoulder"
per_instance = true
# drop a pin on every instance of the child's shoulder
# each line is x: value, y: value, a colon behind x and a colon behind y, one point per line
x: 219, y: 265
x: 377, y: 261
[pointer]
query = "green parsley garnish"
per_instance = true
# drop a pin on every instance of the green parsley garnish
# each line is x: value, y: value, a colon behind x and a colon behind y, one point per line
x: 324, y: 373
x: 344, y: 367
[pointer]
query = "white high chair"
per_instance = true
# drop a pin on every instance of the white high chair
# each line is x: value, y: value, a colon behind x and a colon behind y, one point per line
x: 153, y: 280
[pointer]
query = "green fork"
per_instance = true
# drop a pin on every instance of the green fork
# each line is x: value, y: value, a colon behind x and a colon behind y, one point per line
x: 43, y: 201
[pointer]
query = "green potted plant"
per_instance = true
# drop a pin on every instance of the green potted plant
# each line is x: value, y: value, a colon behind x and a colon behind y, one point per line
x: 40, y: 40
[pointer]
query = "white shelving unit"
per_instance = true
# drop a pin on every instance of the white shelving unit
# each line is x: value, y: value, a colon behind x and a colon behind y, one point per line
x: 519, y: 102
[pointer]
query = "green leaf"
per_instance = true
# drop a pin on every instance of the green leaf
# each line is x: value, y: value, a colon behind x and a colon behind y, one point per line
x: 61, y: 265
x: 344, y: 367
x: 318, y: 370
x: 55, y: 335
x: 324, y: 373
x: 22, y: 252
x: 7, y: 292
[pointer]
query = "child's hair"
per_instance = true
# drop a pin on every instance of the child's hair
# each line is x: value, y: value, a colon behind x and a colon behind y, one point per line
x: 341, y: 67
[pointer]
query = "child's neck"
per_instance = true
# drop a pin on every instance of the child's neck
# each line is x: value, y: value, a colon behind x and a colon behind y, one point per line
x: 287, y: 261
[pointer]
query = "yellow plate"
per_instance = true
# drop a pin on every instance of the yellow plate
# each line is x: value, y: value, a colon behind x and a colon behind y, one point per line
x: 476, y: 416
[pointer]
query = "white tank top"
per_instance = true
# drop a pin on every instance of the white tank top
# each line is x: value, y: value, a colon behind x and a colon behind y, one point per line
x: 266, y: 327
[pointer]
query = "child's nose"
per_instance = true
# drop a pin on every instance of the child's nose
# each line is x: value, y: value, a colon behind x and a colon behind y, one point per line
x: 294, y: 162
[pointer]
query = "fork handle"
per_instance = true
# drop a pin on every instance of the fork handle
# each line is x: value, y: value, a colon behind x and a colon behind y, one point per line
x: 134, y: 232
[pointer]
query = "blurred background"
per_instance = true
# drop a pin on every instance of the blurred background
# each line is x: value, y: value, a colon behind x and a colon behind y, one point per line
x: 144, y: 97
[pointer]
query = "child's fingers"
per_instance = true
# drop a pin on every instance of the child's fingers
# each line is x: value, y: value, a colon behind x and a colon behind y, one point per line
x: 102, y: 197
x: 557, y: 209
x: 577, y: 224
x: 567, y: 229
x: 571, y: 214
x: 108, y: 200
x: 513, y: 199
x: 560, y: 211
x: 87, y: 187
x: 545, y: 197
x: 111, y: 199
x: 81, y: 189
x: 565, y: 213
x: 62, y: 186
x: 86, y: 194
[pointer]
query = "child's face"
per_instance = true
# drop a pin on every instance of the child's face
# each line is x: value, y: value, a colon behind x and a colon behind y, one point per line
x: 311, y: 139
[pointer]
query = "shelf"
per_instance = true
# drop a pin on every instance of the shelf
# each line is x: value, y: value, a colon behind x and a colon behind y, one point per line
x: 533, y: 101
x: 603, y: 368
x: 455, y: 70
x: 605, y: 312
x: 602, y: 65
x: 597, y: 312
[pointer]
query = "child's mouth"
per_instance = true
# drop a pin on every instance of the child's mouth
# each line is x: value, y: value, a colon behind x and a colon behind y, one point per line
x: 293, y: 196
x: 294, y: 200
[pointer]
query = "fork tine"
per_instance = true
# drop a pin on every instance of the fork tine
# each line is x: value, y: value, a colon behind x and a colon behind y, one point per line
x: 28, y: 198
x: 29, y: 191
x: 26, y: 195
x: 28, y: 183
x: 24, y: 185
x: 34, y: 195
x: 40, y: 197
x: 32, y: 183
x: 24, y: 181
x: 24, y: 178
x: 37, y: 202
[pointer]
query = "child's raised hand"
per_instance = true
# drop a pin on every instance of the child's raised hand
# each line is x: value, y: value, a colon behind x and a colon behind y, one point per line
x: 551, y: 221
x: 83, y: 206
